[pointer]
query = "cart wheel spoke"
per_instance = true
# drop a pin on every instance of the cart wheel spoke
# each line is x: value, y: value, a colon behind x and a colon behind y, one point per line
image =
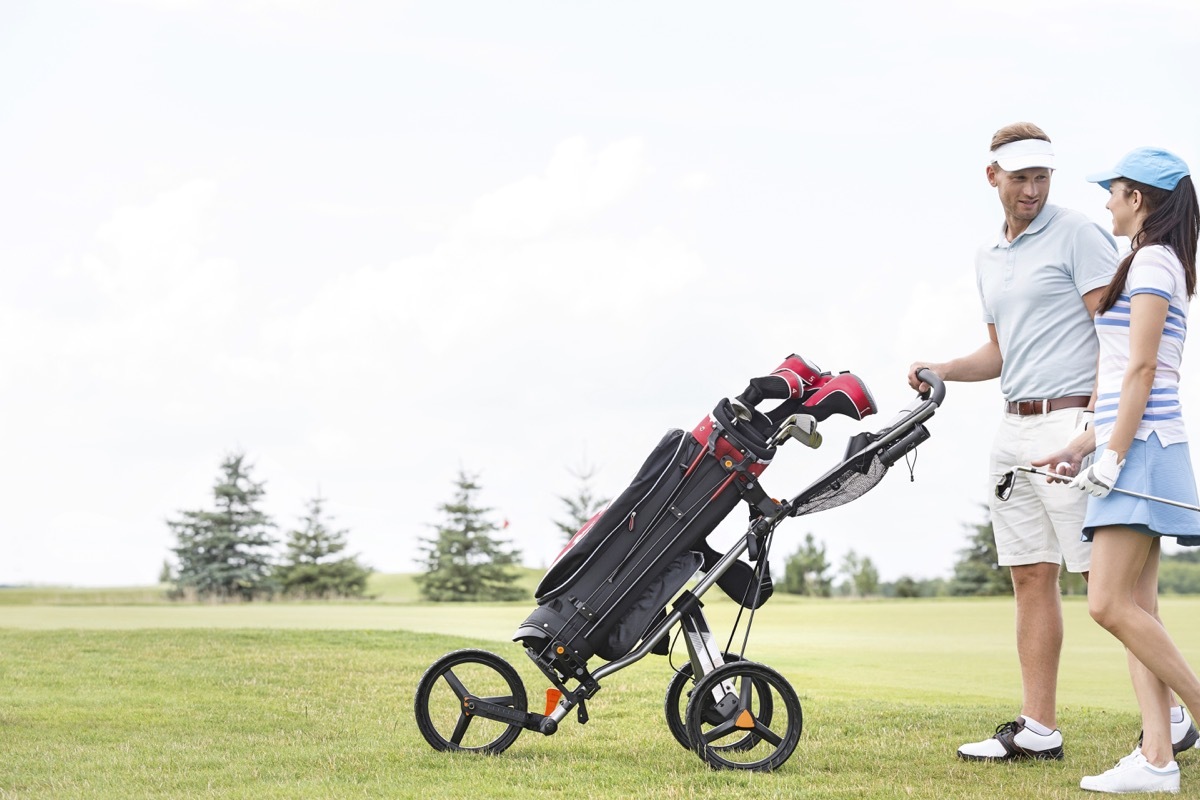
x: 460, y: 691
x: 720, y: 732
x: 460, y: 729
x: 766, y: 733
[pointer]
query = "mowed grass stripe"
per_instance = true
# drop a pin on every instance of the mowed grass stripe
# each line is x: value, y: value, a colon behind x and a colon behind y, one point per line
x: 217, y: 707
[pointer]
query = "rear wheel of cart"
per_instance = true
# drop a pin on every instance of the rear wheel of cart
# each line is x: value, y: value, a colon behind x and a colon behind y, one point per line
x: 726, y: 709
x: 440, y: 703
x: 679, y: 691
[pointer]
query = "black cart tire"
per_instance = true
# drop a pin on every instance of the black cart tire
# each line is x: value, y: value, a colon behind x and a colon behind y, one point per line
x: 438, y: 704
x: 679, y: 691
x: 717, y: 718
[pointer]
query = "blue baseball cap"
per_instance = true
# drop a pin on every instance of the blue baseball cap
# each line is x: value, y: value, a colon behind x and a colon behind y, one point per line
x: 1152, y: 166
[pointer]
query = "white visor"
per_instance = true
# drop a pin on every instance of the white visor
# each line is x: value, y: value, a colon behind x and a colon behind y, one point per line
x: 1023, y: 154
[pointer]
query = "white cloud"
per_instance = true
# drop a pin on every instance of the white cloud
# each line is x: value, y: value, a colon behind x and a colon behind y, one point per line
x: 576, y: 185
x: 696, y: 181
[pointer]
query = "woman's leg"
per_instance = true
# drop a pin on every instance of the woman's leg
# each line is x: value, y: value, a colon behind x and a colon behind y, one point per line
x: 1122, y: 597
x: 1154, y: 697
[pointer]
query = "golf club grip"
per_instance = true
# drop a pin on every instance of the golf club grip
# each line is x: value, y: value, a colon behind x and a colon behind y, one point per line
x: 937, y: 387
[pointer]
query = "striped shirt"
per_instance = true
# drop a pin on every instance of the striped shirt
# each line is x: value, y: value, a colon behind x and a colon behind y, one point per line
x: 1157, y: 271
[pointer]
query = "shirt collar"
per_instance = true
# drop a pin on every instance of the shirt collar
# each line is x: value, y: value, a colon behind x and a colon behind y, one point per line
x: 1039, y: 222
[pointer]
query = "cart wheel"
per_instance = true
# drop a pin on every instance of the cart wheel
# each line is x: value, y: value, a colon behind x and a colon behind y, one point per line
x: 679, y: 690
x: 726, y: 706
x: 443, y: 721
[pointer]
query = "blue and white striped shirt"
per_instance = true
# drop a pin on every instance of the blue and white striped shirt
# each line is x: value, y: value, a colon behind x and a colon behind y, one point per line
x: 1155, y: 270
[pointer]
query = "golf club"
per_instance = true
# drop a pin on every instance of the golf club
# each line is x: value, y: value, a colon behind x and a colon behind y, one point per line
x: 1004, y: 487
x: 802, y: 428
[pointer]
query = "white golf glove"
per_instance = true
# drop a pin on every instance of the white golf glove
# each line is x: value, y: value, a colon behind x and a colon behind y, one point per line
x: 1099, y: 479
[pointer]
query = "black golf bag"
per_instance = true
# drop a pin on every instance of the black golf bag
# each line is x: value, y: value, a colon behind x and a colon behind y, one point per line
x: 610, y: 584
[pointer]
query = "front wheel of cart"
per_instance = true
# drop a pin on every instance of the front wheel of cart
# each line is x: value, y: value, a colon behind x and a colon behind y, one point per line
x: 441, y: 695
x: 727, y: 708
x: 679, y: 691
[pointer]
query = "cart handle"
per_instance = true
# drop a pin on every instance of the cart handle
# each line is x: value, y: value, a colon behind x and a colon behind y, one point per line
x: 937, y: 388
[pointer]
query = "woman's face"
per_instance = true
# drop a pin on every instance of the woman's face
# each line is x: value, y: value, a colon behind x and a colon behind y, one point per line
x: 1124, y: 204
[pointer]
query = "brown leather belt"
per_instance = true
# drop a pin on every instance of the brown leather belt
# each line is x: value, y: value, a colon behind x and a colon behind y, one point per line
x: 1025, y: 408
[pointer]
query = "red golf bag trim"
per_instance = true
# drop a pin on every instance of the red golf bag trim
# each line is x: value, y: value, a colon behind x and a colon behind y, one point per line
x: 844, y: 393
x: 799, y: 374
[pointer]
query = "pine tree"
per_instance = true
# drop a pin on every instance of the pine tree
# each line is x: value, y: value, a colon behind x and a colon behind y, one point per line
x: 583, y: 505
x: 226, y: 553
x: 862, y: 578
x: 978, y: 571
x: 311, y: 566
x: 463, y: 562
x: 805, y: 570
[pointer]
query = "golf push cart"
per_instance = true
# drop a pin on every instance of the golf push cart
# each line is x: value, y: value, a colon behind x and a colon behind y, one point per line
x: 606, y: 595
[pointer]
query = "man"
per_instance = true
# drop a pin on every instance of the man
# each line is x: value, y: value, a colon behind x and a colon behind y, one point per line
x: 1039, y: 283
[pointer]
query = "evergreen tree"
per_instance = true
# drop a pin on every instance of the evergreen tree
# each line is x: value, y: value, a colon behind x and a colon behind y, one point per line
x: 862, y: 578
x: 226, y: 553
x: 978, y: 571
x: 583, y: 505
x: 463, y: 562
x: 312, y: 566
x: 805, y: 570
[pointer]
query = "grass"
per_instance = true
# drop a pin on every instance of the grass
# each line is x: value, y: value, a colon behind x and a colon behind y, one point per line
x: 315, y: 701
x: 381, y: 588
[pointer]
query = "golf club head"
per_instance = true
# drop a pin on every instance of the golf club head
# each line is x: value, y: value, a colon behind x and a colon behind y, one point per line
x: 1004, y: 486
x: 802, y: 428
x: 740, y: 410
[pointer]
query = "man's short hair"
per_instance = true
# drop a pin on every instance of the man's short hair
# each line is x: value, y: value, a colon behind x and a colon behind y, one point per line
x: 1016, y: 132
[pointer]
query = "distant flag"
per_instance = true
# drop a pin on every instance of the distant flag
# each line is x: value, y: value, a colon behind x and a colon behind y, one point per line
x: 505, y: 525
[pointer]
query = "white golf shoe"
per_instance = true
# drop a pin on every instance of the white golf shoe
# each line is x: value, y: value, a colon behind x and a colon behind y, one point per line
x: 1134, y: 773
x: 1013, y: 741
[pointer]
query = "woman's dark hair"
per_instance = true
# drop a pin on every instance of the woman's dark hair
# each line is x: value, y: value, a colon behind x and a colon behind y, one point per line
x: 1173, y: 220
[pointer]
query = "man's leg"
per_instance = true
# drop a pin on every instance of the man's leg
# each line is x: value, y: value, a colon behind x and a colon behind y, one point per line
x: 1039, y: 638
x: 1026, y: 542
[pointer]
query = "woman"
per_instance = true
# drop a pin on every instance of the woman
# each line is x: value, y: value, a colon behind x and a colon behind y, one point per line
x: 1141, y: 445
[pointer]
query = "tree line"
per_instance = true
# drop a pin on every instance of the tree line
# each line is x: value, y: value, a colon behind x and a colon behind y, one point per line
x: 464, y: 543
x: 231, y: 551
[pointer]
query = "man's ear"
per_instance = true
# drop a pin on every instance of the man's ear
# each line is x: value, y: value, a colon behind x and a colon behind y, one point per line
x: 991, y: 174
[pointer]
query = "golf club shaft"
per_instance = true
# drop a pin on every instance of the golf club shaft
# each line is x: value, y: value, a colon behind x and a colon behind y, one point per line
x: 1139, y: 495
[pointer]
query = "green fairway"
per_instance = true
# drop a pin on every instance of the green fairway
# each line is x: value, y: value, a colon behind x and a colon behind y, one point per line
x: 315, y: 700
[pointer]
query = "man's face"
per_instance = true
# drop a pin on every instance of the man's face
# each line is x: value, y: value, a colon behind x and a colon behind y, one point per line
x: 1022, y: 193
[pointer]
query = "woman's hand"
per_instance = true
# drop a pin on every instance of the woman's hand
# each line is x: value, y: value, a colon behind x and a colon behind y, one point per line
x: 1099, y: 479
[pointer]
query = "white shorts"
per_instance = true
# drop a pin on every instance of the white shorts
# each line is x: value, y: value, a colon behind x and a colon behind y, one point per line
x: 1040, y: 521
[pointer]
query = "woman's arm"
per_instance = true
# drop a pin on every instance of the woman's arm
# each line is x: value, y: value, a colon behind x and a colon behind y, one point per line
x: 1147, y: 314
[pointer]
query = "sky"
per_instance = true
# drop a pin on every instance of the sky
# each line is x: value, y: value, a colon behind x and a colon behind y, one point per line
x: 372, y: 245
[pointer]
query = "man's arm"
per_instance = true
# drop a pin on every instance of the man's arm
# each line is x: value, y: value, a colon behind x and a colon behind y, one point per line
x: 981, y: 365
x: 1092, y: 300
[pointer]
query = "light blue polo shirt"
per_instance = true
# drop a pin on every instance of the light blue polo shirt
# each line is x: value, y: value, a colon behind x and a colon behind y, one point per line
x: 1032, y: 290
